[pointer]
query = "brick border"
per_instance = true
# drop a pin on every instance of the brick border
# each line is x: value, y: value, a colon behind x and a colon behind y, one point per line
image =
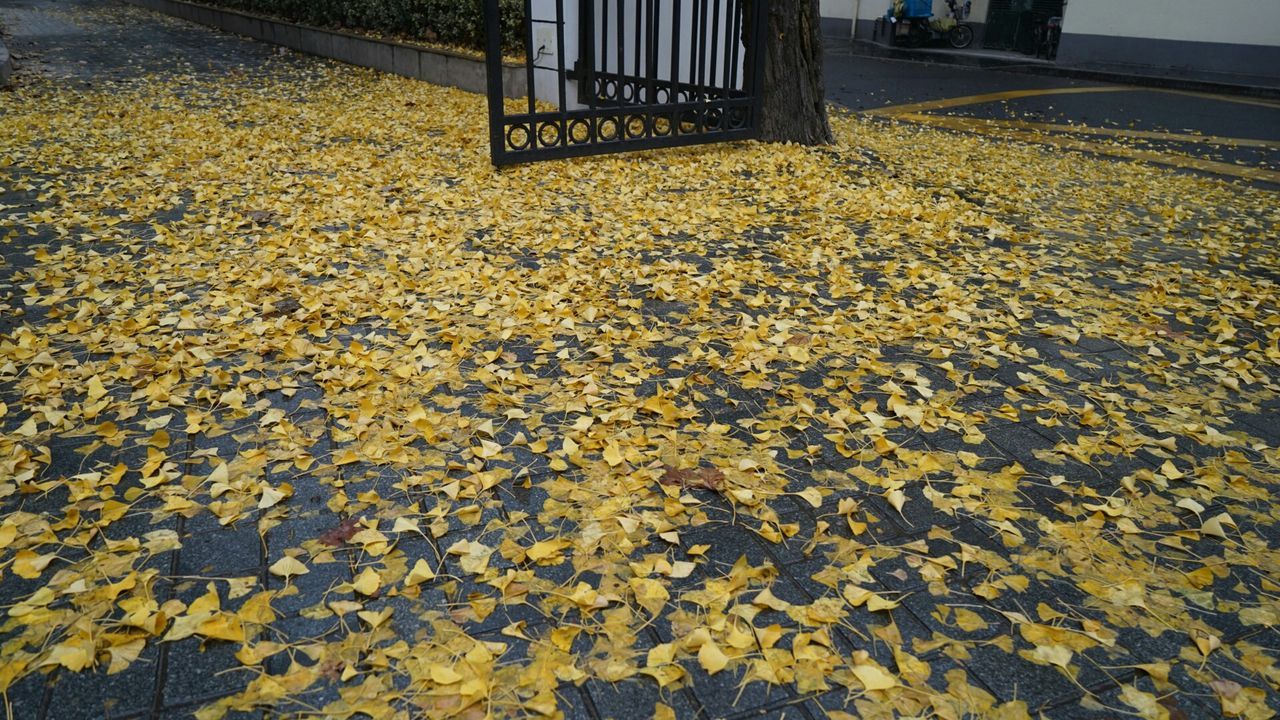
x: 440, y: 67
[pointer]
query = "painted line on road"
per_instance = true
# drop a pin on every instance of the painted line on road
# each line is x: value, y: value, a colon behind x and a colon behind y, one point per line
x: 1260, y: 102
x: 1169, y: 159
x: 945, y: 103
x: 1119, y: 132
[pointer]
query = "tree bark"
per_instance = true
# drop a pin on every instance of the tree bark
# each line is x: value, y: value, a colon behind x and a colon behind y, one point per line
x: 795, y: 106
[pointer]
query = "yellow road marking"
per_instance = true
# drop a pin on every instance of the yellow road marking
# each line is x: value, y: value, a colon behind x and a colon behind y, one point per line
x: 1068, y: 143
x: 992, y: 97
x: 1119, y: 132
x: 1224, y: 98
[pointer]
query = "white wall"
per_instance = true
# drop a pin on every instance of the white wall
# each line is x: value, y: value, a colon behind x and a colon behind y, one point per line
x: 1245, y: 22
x: 836, y: 8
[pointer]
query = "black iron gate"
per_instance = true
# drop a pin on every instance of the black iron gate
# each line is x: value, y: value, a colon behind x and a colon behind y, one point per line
x: 635, y: 75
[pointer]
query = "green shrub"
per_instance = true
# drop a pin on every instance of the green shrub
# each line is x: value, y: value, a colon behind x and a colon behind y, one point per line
x: 452, y: 22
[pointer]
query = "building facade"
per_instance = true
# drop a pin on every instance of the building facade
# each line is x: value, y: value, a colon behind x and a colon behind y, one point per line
x: 1240, y: 37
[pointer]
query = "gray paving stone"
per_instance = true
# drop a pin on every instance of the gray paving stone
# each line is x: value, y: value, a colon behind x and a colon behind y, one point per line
x: 198, y: 669
x: 28, y: 696
x: 634, y: 697
x: 96, y: 694
x: 1010, y: 677
x: 792, y: 709
x: 231, y: 551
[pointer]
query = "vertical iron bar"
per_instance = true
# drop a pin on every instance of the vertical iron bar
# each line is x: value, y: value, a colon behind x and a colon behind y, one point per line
x: 493, y: 70
x: 673, y: 96
x: 675, y: 50
x: 622, y: 57
x: 651, y: 52
x: 560, y: 68
x: 529, y: 56
x: 693, y: 48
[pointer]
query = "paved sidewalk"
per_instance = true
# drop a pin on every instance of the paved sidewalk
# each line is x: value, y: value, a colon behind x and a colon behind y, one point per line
x: 305, y: 411
x: 1176, y: 78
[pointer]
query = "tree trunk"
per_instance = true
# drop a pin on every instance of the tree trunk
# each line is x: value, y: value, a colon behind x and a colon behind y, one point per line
x: 795, y: 106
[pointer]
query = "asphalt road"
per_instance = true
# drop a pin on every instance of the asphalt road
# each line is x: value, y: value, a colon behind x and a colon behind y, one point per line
x: 1225, y: 135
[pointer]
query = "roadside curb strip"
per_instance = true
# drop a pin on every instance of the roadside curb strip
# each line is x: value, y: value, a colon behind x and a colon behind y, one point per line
x: 6, y: 65
x: 868, y: 48
x: 439, y: 67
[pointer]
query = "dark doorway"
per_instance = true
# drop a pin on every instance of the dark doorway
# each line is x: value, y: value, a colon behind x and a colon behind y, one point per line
x: 1025, y: 26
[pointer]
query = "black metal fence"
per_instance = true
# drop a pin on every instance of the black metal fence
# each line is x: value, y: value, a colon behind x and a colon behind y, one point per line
x: 635, y: 75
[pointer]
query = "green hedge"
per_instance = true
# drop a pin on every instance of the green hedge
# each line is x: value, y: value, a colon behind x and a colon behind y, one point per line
x: 451, y: 22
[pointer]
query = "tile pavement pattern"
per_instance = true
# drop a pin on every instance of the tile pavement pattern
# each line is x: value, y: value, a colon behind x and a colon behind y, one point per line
x: 173, y: 679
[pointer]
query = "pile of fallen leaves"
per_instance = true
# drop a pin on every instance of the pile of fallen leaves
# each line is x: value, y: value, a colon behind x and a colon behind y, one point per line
x: 503, y: 435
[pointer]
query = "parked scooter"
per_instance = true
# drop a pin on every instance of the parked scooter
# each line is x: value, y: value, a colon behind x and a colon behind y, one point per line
x: 923, y: 29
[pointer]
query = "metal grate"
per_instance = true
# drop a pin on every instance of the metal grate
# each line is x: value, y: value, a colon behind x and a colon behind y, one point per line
x: 636, y: 75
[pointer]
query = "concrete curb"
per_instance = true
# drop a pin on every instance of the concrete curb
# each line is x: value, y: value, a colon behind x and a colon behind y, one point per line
x: 6, y: 65
x: 439, y: 67
x: 873, y: 49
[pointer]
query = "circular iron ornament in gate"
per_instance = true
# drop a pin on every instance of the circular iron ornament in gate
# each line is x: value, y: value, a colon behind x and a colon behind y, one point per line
x: 607, y: 129
x: 661, y: 126
x: 518, y: 137
x: 549, y: 134
x: 637, y: 126
x: 737, y: 117
x: 579, y: 132
x: 690, y: 122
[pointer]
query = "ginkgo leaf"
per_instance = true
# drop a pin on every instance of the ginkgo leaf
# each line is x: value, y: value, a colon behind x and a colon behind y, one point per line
x: 547, y: 552
x: 367, y: 582
x: 711, y: 658
x: 75, y: 654
x: 222, y: 626
x: 874, y: 677
x: 270, y: 497
x: 811, y: 496
x: 1216, y: 525
x: 1059, y: 655
x: 124, y: 654
x: 897, y: 499
x: 444, y: 675
x: 613, y: 454
x: 29, y: 565
x: 375, y: 619
x: 1190, y: 504
x: 420, y: 572
x: 649, y: 594
x: 1205, y: 642
x: 287, y: 567
x: 473, y: 556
